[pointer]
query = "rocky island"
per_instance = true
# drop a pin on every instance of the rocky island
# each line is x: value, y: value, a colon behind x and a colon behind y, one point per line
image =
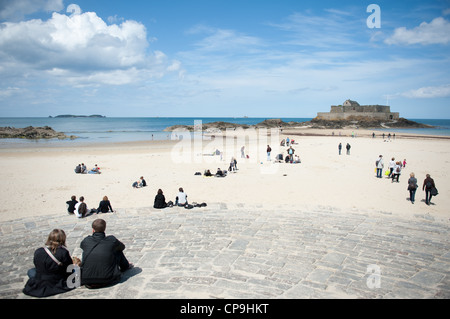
x: 33, y: 133
x: 350, y: 115
x: 75, y: 116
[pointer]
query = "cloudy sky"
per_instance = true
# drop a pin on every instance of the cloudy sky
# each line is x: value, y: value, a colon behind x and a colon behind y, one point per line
x: 223, y: 58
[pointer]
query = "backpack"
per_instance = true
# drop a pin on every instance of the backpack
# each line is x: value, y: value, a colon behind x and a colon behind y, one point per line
x: 412, y: 186
x: 82, y: 209
x: 397, y: 170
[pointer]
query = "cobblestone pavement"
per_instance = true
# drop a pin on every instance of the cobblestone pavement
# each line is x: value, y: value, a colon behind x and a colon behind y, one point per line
x: 247, y: 252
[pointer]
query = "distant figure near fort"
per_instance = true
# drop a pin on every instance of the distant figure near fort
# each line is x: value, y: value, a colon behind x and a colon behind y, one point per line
x: 353, y: 109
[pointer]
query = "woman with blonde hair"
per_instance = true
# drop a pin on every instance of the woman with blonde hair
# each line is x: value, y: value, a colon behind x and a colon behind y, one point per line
x: 49, y: 277
x: 412, y: 187
x: 104, y: 206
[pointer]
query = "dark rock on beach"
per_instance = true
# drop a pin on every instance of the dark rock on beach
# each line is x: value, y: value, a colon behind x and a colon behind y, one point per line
x: 33, y: 133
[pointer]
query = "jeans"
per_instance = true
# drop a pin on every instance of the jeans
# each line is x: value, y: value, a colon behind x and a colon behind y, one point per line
x: 428, y: 196
x: 412, y: 195
x: 379, y: 172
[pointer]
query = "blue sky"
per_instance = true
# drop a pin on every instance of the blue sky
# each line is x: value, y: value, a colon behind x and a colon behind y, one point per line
x: 230, y: 58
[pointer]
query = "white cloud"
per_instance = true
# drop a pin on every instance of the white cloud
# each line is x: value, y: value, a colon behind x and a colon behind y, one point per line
x: 435, y: 32
x: 429, y: 92
x: 80, y: 46
x: 15, y: 10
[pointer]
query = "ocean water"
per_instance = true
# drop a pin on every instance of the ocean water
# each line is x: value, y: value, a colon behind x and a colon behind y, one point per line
x: 113, y: 129
x: 108, y: 130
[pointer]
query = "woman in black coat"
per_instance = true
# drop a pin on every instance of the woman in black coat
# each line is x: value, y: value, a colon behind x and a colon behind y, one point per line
x: 160, y: 200
x: 104, y: 206
x: 50, y: 276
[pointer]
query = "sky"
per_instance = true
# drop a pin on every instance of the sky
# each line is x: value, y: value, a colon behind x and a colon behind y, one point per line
x: 223, y: 58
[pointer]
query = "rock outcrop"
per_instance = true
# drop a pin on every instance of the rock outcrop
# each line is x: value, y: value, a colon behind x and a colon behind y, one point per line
x: 33, y: 133
x: 351, y: 122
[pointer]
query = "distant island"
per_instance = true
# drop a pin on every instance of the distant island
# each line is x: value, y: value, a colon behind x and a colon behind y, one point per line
x: 74, y: 116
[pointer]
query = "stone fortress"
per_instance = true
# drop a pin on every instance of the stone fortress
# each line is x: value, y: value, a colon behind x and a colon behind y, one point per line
x: 352, y: 109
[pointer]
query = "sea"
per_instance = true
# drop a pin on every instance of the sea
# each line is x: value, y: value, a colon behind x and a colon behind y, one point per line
x: 133, y: 129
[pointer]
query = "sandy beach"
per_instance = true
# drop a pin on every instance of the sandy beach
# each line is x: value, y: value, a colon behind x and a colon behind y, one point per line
x: 37, y: 181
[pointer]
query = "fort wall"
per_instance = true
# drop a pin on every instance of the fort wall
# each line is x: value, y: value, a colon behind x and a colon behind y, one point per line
x: 353, y: 109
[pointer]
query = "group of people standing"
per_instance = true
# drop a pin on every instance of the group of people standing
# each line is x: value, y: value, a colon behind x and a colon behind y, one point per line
x: 347, y: 147
x: 394, y: 172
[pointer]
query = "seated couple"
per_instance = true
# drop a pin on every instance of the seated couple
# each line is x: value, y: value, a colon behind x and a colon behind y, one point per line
x: 160, y: 200
x: 219, y: 173
x: 103, y: 263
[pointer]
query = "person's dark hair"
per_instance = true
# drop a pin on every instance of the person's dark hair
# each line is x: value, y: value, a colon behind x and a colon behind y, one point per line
x: 181, y: 189
x: 81, y: 198
x: 99, y: 225
x: 56, y: 238
x: 105, y: 198
x: 160, y: 191
x: 73, y: 197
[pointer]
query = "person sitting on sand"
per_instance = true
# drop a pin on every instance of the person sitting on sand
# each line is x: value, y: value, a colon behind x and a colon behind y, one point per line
x: 104, y: 206
x: 103, y: 260
x: 49, y: 277
x: 143, y: 183
x: 78, y: 169
x: 221, y: 173
x: 71, y: 204
x: 181, y: 199
x: 95, y: 170
x: 207, y: 173
x: 83, y: 168
x: 81, y: 209
x: 160, y: 200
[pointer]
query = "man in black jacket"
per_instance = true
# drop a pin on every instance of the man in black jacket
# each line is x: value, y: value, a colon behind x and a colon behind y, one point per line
x: 103, y: 260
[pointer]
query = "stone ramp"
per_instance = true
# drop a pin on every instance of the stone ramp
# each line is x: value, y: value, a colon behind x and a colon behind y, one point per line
x: 240, y: 252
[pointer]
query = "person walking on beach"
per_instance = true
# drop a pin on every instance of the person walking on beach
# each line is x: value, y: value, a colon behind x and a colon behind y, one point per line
x: 397, y: 172
x: 340, y: 148
x: 268, y: 152
x: 379, y: 165
x: 391, y: 166
x: 428, y: 185
x: 412, y: 187
x: 243, y: 152
x: 348, y: 148
x: 103, y: 260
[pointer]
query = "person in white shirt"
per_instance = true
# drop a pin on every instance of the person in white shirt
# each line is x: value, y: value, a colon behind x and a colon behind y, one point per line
x: 81, y: 209
x: 181, y: 199
x: 391, y: 166
x: 380, y: 166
